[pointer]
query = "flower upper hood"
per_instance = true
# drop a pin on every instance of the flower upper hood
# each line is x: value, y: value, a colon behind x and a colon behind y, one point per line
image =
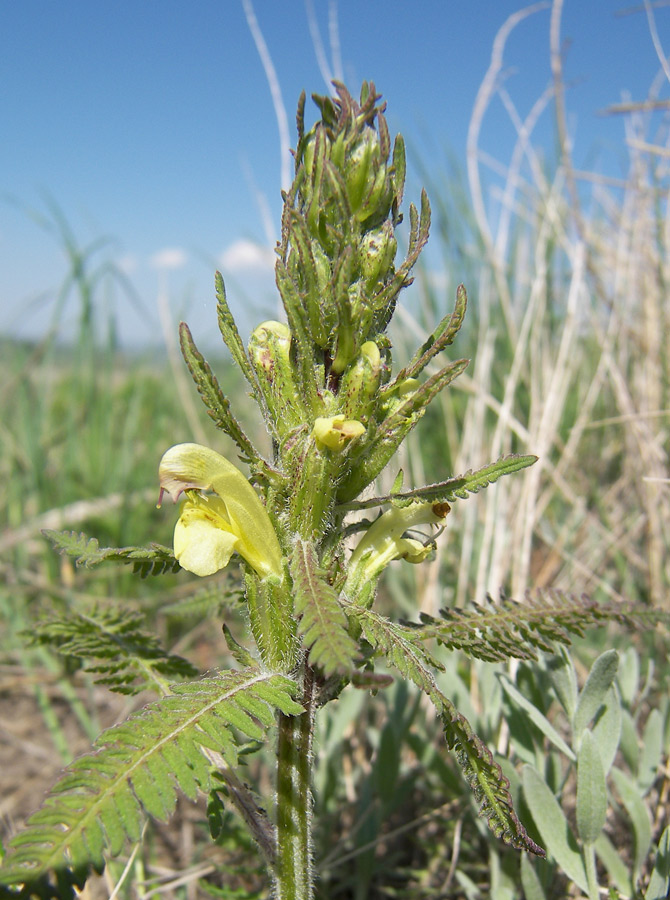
x: 211, y: 528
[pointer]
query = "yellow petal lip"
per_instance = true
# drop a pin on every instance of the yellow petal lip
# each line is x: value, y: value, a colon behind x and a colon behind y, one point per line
x: 413, y: 551
x: 200, y: 545
x: 210, y: 529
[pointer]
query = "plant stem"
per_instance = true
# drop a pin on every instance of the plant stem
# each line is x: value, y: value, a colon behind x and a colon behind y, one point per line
x: 293, y: 870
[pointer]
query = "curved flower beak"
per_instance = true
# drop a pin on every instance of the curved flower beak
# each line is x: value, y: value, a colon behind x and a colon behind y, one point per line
x: 211, y: 528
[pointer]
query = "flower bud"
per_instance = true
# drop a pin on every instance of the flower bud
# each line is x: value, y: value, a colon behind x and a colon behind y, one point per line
x: 324, y: 275
x: 360, y: 383
x: 377, y: 203
x: 269, y: 353
x: 377, y: 252
x: 358, y: 175
x: 308, y: 152
x: 399, y: 394
x: 336, y: 432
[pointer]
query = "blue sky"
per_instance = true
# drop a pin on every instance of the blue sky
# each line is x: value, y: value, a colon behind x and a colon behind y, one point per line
x: 151, y: 124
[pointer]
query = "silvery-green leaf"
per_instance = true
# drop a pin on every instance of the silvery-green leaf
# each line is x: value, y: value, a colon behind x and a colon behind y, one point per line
x: 659, y: 883
x: 591, y: 790
x: 628, y: 741
x: 617, y: 869
x: 629, y: 793
x: 651, y: 750
x: 532, y: 888
x: 629, y: 675
x: 606, y: 729
x: 602, y: 674
x: 536, y: 717
x: 554, y: 829
x: 564, y: 680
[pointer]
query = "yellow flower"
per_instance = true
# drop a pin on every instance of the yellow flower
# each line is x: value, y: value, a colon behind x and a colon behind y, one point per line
x: 211, y: 528
x: 384, y: 541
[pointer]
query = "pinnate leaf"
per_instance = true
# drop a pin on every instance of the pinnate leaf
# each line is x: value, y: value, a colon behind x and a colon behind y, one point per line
x: 113, y: 645
x: 138, y: 767
x: 153, y: 560
x: 322, y: 624
x: 490, y: 787
x: 454, y: 488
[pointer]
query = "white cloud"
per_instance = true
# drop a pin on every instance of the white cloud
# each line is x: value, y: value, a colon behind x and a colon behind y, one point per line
x: 169, y: 258
x: 128, y: 264
x: 244, y: 255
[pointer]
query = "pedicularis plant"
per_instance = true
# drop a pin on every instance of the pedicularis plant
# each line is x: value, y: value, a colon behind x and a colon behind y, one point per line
x: 336, y: 414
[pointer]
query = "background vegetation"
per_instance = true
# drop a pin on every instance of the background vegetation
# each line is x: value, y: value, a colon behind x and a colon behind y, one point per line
x: 567, y: 329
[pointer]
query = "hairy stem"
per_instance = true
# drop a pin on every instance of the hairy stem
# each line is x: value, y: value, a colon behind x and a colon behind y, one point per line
x: 293, y: 872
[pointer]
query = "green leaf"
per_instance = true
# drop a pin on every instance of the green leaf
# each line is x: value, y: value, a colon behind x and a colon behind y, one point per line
x: 218, y: 405
x: 300, y: 240
x: 231, y: 335
x: 659, y: 883
x: 628, y: 676
x: 300, y: 338
x: 399, y: 172
x: 638, y: 814
x: 152, y: 560
x: 373, y: 455
x: 101, y: 797
x: 553, y: 826
x: 536, y: 717
x: 112, y: 644
x: 418, y: 236
x: 500, y: 631
x: 532, y: 887
x: 482, y: 773
x: 442, y: 337
x: 606, y: 729
x: 592, y: 696
x: 239, y: 653
x: 651, y: 751
x: 563, y: 678
x: 322, y: 624
x: 591, y: 790
x: 616, y: 867
x: 454, y: 488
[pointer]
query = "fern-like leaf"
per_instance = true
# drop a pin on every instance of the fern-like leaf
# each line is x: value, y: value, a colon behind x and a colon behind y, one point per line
x: 153, y: 560
x: 496, y: 632
x: 112, y: 644
x: 322, y: 624
x: 490, y: 787
x: 137, y: 767
x: 207, y: 602
x: 454, y: 488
